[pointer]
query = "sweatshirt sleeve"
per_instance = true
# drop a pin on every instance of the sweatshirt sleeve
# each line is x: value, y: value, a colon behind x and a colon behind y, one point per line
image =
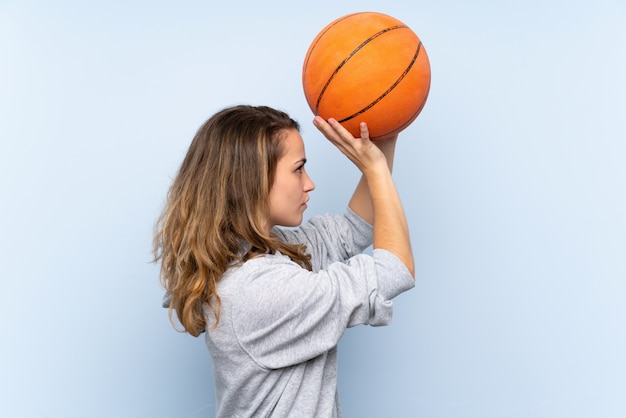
x: 330, y: 238
x: 286, y: 315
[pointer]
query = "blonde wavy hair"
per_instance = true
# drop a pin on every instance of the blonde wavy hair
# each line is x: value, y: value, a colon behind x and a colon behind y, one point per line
x: 217, y: 207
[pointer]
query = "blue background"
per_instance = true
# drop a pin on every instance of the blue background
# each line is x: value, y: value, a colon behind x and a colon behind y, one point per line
x: 513, y: 178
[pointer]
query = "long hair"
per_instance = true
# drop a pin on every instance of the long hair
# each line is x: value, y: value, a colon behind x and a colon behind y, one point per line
x: 217, y: 208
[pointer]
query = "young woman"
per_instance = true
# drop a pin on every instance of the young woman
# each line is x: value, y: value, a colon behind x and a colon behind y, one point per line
x: 274, y: 302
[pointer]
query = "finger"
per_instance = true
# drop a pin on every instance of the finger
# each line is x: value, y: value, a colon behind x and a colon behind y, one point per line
x: 333, y: 131
x: 322, y: 126
x: 339, y: 128
x: 328, y: 131
x: 365, y: 132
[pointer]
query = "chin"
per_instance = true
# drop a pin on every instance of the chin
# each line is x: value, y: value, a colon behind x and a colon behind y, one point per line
x: 295, y: 223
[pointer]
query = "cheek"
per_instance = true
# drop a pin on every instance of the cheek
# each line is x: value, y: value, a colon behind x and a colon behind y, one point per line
x: 281, y: 191
x: 287, y: 188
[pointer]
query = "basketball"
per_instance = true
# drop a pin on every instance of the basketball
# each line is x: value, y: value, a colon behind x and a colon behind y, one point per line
x: 367, y: 67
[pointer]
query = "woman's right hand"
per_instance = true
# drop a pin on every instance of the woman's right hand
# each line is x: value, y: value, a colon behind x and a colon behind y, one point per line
x: 361, y: 151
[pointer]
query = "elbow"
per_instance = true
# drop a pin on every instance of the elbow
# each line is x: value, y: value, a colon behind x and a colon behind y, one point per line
x: 411, y: 267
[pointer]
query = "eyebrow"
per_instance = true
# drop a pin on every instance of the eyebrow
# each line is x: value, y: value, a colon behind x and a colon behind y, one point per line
x: 300, y: 161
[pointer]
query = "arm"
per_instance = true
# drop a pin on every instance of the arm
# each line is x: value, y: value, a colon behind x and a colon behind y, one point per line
x: 298, y: 315
x: 391, y: 230
x: 330, y: 238
x: 361, y: 202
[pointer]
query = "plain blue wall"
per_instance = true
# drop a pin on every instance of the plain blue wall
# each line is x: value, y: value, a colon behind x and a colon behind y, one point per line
x: 513, y: 178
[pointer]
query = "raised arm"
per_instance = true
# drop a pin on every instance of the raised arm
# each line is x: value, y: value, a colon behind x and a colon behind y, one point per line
x: 391, y: 230
x: 361, y: 201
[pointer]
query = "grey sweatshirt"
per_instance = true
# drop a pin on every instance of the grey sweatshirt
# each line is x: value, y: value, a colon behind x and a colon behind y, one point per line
x: 275, y: 348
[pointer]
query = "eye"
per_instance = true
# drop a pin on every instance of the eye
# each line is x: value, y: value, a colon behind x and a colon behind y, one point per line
x: 300, y: 168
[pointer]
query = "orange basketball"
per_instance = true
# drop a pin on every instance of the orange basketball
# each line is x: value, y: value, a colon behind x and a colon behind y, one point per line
x: 367, y: 67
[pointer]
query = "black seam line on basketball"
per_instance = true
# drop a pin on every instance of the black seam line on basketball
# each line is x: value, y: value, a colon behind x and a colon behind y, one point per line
x: 393, y: 86
x: 409, y: 120
x: 357, y: 49
x: 321, y: 35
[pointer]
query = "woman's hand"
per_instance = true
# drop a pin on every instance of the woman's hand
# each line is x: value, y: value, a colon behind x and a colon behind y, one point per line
x: 361, y: 151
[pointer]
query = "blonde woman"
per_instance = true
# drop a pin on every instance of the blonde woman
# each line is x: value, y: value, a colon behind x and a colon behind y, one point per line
x: 273, y: 301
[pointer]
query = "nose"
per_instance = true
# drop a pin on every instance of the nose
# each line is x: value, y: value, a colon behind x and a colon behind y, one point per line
x: 308, y: 183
